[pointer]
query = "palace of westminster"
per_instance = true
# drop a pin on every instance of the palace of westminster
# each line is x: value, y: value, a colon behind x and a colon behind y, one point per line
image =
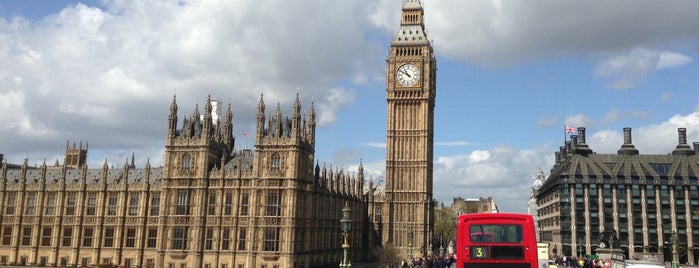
x: 213, y: 205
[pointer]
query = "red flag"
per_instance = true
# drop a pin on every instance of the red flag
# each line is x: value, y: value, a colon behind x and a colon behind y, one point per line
x: 570, y: 130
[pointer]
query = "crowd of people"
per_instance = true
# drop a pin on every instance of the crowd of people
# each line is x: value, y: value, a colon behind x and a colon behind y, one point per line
x: 434, y: 261
x: 584, y: 262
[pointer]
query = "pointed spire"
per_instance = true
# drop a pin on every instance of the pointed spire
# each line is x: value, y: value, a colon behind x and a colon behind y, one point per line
x: 172, y: 118
x: 260, y: 117
x: 196, y: 116
x: 228, y: 127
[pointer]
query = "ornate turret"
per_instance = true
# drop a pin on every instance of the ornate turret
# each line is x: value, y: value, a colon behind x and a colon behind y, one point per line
x: 75, y: 157
x: 172, y: 119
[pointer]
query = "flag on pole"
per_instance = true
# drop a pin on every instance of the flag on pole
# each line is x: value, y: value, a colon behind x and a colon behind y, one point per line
x: 570, y: 130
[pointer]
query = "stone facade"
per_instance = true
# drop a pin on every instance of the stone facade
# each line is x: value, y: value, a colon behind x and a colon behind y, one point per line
x: 408, y: 213
x: 213, y: 205
x: 629, y: 201
x: 210, y: 205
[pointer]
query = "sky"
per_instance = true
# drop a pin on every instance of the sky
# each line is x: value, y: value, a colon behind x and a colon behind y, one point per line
x: 511, y: 75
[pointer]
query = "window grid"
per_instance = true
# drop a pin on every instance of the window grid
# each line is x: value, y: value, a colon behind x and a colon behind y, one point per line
x: 133, y: 204
x: 46, y: 237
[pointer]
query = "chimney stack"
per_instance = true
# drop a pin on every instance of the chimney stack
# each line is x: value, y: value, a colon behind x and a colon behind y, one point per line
x: 682, y: 148
x: 581, y: 147
x: 627, y: 148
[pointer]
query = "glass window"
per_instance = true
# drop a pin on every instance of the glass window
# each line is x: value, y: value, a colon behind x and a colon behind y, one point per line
x: 155, y: 204
x: 6, y: 235
x: 182, y: 205
x: 112, y: 206
x: 152, y: 237
x: 244, y: 204
x: 50, y: 204
x: 273, y: 204
x: 133, y: 204
x: 67, y: 236
x: 46, y: 237
x: 87, y: 236
x: 226, y: 238
x: 26, y: 236
x: 130, y: 237
x: 242, y: 234
x: 109, y: 237
x: 31, y: 204
x: 212, y: 204
x: 179, y: 237
x: 270, y: 240
x: 91, y: 204
x: 496, y: 233
x: 70, y: 204
x: 10, y: 205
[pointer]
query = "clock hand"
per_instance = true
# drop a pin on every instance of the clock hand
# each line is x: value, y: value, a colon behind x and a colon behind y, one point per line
x: 406, y: 73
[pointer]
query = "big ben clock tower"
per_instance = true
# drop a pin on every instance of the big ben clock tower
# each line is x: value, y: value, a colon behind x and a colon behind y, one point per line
x: 408, y: 218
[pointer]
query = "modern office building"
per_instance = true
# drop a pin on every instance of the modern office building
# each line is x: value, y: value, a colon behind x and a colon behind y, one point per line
x: 639, y: 203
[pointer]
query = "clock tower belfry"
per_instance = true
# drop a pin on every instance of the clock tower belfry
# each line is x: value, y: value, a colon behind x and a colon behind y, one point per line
x: 408, y: 218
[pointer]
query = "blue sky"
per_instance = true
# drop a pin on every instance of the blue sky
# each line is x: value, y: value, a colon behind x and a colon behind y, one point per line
x: 510, y: 76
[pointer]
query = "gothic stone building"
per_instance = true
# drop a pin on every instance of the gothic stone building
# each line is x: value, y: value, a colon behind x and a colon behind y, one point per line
x: 408, y: 215
x: 629, y: 201
x: 210, y: 205
x: 215, y: 206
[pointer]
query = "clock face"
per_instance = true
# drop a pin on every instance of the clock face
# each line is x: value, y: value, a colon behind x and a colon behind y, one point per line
x: 407, y: 75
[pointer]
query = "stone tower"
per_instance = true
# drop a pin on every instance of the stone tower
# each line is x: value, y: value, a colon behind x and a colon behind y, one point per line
x: 75, y: 156
x: 191, y: 153
x: 408, y: 217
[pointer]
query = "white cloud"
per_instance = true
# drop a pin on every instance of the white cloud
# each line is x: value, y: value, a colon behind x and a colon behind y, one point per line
x: 616, y: 115
x: 499, y: 33
x: 629, y: 69
x: 502, y: 172
x: 334, y: 99
x: 670, y: 59
x: 105, y: 74
x: 578, y: 120
x: 659, y: 138
x: 454, y: 143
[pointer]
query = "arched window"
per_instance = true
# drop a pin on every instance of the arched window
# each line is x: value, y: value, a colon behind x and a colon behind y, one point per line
x: 275, y: 162
x: 186, y: 161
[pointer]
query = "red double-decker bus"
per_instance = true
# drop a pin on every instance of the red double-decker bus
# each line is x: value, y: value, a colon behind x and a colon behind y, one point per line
x: 489, y: 240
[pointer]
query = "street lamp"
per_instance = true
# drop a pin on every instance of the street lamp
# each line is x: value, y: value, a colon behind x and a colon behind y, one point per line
x: 673, y: 242
x: 410, y: 243
x: 346, y: 226
x: 579, y: 248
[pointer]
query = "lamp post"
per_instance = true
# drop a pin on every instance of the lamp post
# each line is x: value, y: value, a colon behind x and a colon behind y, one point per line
x: 579, y: 248
x: 673, y: 242
x: 346, y: 226
x: 410, y: 243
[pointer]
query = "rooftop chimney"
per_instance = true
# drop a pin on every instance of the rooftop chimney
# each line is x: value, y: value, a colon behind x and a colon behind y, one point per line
x: 581, y: 147
x: 627, y: 148
x: 682, y: 148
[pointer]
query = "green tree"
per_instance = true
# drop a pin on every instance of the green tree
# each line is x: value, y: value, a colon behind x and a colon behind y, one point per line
x: 444, y: 227
x: 388, y: 254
